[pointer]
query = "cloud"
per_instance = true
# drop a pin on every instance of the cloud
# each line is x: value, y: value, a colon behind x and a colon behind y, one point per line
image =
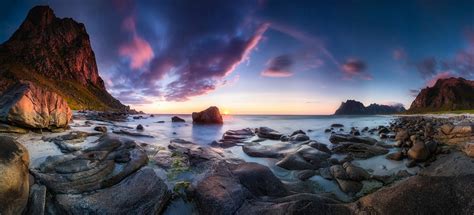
x: 414, y: 92
x: 279, y: 67
x: 442, y: 75
x: 427, y: 67
x: 138, y: 50
x: 355, y: 68
x: 399, y: 54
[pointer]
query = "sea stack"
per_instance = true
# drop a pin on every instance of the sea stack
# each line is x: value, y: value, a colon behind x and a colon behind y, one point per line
x: 209, y: 116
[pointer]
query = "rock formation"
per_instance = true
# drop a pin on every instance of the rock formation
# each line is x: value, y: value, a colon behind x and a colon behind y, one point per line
x: 56, y: 54
x: 14, y: 183
x: 352, y: 107
x: 446, y: 95
x: 209, y: 116
x: 27, y: 105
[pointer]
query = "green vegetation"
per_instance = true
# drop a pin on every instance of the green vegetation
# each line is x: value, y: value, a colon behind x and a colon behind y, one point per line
x: 442, y: 112
x: 77, y: 96
x: 178, y: 166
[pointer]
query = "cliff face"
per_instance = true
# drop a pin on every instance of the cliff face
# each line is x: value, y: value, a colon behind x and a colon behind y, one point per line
x: 446, y: 95
x: 352, y: 107
x: 55, y: 53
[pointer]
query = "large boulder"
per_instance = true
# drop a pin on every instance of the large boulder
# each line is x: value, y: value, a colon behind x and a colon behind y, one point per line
x: 27, y: 105
x: 141, y: 193
x: 418, y: 151
x: 14, y: 183
x: 209, y: 116
x: 359, y: 150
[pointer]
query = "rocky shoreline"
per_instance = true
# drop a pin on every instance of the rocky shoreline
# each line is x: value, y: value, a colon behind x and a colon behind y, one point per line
x: 96, y: 170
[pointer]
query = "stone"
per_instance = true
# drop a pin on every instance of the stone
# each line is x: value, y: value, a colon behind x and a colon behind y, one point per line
x: 337, y: 125
x: 305, y: 174
x: 469, y: 149
x: 234, y: 137
x: 338, y: 172
x: 313, y: 155
x: 140, y: 127
x: 102, y: 129
x: 462, y: 129
x: 259, y: 180
x: 37, y: 200
x: 277, y: 150
x: 418, y: 151
x: 294, y: 161
x: 143, y: 192
x: 447, y: 128
x: 209, y: 116
x: 14, y: 177
x: 297, y: 132
x: 338, y: 138
x: 5, y: 128
x: 396, y: 156
x: 349, y: 186
x: 319, y: 146
x: 268, y: 133
x: 176, y: 119
x: 30, y: 106
x: 402, y: 135
x: 359, y: 150
x: 355, y: 173
x: 298, y: 138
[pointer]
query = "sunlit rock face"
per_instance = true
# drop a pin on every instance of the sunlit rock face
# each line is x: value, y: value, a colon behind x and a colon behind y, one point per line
x: 209, y: 116
x: 446, y: 94
x: 55, y: 53
x: 27, y: 105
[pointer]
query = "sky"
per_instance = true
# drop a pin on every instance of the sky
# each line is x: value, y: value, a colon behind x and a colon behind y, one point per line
x: 268, y: 56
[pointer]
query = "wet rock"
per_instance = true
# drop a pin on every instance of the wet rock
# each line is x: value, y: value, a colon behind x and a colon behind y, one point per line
x: 297, y: 132
x: 176, y: 119
x: 5, y: 128
x: 420, y: 195
x: 397, y: 156
x: 14, y: 177
x: 143, y: 192
x: 383, y: 130
x: 349, y: 186
x: 326, y: 173
x: 209, y: 116
x: 418, y: 151
x: 268, y: 133
x: 469, y: 149
x: 129, y: 133
x: 355, y: 173
x: 161, y: 121
x: 327, y: 130
x: 259, y: 180
x: 314, y: 156
x: 410, y: 164
x: 195, y: 153
x: 319, y: 146
x: 267, y: 151
x: 447, y: 128
x: 337, y: 125
x: 37, y: 200
x: 359, y: 150
x: 294, y: 161
x: 338, y: 172
x: 432, y: 146
x: 102, y: 129
x: 298, y: 138
x: 305, y: 174
x: 27, y: 105
x: 234, y: 137
x: 338, y: 138
x: 140, y: 127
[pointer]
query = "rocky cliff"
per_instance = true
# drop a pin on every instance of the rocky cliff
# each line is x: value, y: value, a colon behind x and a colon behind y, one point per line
x: 55, y: 53
x: 352, y: 107
x: 446, y: 95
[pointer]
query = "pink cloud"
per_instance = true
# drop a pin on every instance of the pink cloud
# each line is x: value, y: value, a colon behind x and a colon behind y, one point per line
x: 276, y: 73
x: 138, y: 50
x: 355, y: 68
x: 399, y: 54
x: 442, y: 75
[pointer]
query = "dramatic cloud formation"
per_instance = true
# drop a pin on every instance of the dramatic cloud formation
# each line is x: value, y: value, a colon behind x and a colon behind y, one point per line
x: 278, y: 67
x: 138, y: 50
x: 443, y: 75
x: 355, y: 68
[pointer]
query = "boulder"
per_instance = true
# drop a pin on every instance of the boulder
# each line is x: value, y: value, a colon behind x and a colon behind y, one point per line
x: 30, y: 106
x: 276, y: 150
x: 140, y: 127
x: 294, y: 161
x: 469, y: 149
x: 233, y: 137
x: 338, y: 138
x: 418, y: 151
x: 349, y: 186
x: 177, y: 119
x: 298, y: 138
x: 143, y: 192
x: 359, y: 150
x: 355, y: 173
x: 37, y: 199
x: 396, y: 156
x: 313, y: 155
x: 209, y: 116
x: 402, y: 135
x: 268, y: 133
x: 102, y: 129
x: 14, y: 177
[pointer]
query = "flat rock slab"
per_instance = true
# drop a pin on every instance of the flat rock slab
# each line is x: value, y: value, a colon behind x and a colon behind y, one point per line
x: 141, y: 193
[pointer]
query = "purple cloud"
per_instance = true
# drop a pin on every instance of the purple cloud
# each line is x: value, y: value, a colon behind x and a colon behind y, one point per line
x: 355, y: 68
x: 279, y: 67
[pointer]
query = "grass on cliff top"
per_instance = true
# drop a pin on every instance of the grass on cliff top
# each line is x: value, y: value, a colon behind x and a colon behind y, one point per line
x: 77, y: 96
x: 441, y: 112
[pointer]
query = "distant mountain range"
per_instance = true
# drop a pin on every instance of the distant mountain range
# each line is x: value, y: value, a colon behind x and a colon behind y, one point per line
x: 353, y: 107
x: 446, y: 95
x: 56, y: 54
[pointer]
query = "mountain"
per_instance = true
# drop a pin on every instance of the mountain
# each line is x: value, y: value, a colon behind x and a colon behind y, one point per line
x: 56, y: 54
x: 352, y: 107
x: 446, y: 95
